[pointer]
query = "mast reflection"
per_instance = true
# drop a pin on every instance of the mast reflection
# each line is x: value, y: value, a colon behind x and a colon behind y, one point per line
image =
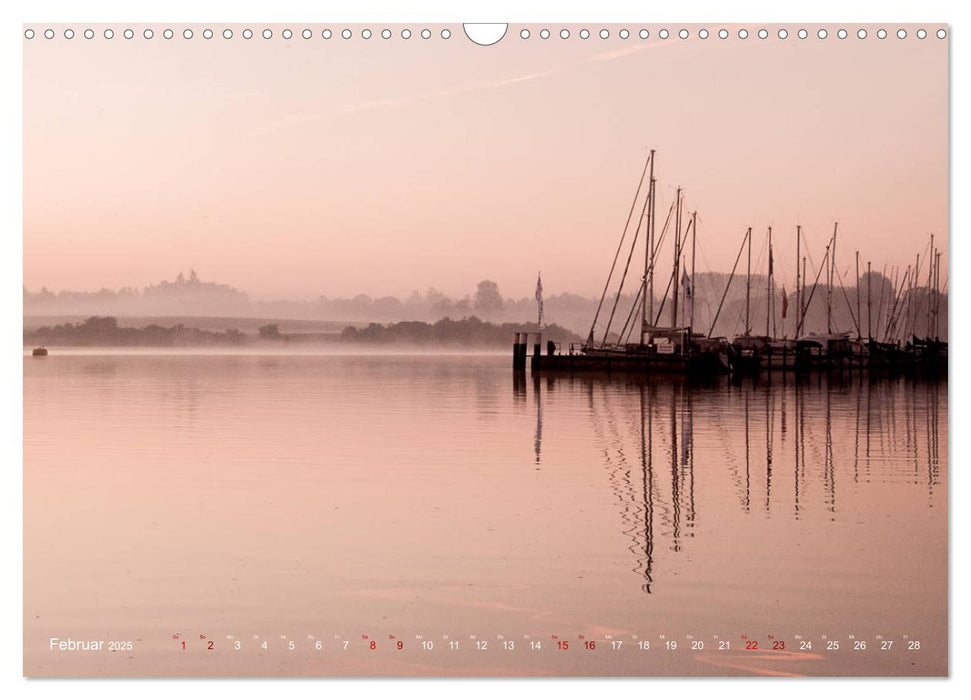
x: 736, y: 433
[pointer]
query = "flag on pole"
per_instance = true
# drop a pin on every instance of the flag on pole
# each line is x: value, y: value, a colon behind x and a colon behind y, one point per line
x: 539, y: 298
x: 770, y: 260
x: 785, y: 302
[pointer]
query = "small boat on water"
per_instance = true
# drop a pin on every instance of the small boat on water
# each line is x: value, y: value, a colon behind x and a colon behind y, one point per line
x: 39, y: 352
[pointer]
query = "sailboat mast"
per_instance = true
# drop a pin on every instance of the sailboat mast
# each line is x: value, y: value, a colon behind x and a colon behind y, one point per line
x: 748, y: 282
x: 910, y: 294
x: 914, y: 291
x: 694, y: 290
x: 801, y: 312
x: 937, y: 297
x: 653, y: 221
x: 883, y: 286
x: 829, y: 286
x: 869, y: 308
x: 824, y: 265
x: 677, y: 259
x: 859, y: 318
x: 932, y: 311
x: 892, y: 300
x: 648, y: 255
x: 773, y: 308
x: 731, y: 276
x: 768, y: 286
x: 798, y: 278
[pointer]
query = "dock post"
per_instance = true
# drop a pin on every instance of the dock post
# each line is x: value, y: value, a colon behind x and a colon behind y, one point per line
x: 538, y: 351
x: 519, y: 352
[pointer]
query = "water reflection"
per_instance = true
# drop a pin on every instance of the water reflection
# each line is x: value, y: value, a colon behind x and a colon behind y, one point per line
x: 846, y: 436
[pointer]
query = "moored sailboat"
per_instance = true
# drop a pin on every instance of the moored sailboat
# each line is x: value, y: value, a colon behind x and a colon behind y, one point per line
x: 658, y: 349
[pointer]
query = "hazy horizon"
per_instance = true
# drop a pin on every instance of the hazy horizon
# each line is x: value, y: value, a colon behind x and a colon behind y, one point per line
x: 425, y: 162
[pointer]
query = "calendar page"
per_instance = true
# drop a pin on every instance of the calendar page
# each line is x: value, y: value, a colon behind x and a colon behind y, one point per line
x: 532, y: 349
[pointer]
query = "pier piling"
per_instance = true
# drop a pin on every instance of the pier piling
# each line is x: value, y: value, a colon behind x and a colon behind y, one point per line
x: 519, y: 352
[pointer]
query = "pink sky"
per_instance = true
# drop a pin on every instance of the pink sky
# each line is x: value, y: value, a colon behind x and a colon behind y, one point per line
x: 307, y: 167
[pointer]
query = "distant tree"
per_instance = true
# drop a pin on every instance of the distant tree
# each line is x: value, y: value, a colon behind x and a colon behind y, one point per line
x: 443, y: 307
x: 270, y: 331
x: 488, y: 300
x: 193, y: 277
x: 180, y: 279
x: 100, y: 324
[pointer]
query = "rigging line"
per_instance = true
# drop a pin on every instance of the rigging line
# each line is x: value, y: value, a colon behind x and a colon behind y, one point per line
x: 650, y: 270
x: 633, y: 307
x: 667, y: 289
x: 812, y: 292
x: 887, y: 281
x: 892, y: 319
x: 891, y: 311
x: 728, y: 284
x: 757, y: 265
x: 704, y: 258
x: 660, y: 240
x: 809, y: 253
x: 623, y: 279
x: 663, y: 301
x: 913, y: 296
x: 633, y: 206
x: 849, y: 307
x: 664, y: 231
x: 626, y: 332
x: 900, y: 319
x: 708, y: 281
x: 738, y: 322
x: 779, y: 263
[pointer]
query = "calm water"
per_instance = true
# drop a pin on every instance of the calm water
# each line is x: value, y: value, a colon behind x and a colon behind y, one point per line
x: 333, y: 497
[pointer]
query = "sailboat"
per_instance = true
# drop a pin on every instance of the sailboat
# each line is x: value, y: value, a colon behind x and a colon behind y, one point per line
x: 832, y: 349
x: 674, y: 348
x: 755, y: 353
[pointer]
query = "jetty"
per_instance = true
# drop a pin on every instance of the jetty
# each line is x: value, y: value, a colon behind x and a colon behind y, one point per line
x: 636, y: 341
